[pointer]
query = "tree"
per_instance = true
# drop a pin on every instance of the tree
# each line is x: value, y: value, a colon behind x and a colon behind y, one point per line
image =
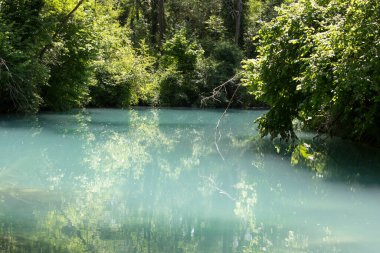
x: 58, y: 55
x: 60, y: 28
x: 121, y: 73
x: 68, y: 54
x: 157, y: 21
x: 317, y: 63
x: 21, y: 74
x: 238, y: 20
x: 233, y: 15
x: 179, y: 66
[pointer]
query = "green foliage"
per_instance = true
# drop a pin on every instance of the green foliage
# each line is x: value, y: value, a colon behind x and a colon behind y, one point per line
x: 258, y: 12
x: 309, y: 156
x: 21, y: 75
x: 180, y: 53
x: 121, y: 73
x: 70, y: 64
x: 188, y: 74
x: 228, y: 57
x: 56, y: 56
x: 173, y: 89
x: 318, y: 63
x: 199, y: 16
x: 56, y: 80
x: 121, y: 80
x: 178, y: 83
x: 222, y: 64
x: 215, y: 27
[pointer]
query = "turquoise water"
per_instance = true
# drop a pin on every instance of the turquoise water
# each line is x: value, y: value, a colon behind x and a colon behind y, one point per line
x: 152, y: 180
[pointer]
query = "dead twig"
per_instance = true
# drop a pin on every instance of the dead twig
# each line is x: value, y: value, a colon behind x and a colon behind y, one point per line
x: 216, y: 92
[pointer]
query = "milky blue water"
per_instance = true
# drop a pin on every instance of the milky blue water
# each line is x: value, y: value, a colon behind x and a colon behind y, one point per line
x: 153, y: 180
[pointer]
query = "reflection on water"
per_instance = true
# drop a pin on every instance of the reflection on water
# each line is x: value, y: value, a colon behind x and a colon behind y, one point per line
x: 151, y: 180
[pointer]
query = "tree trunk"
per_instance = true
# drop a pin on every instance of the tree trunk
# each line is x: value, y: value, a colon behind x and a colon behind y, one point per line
x: 161, y: 20
x: 157, y: 21
x: 154, y: 19
x: 137, y: 9
x: 238, y: 16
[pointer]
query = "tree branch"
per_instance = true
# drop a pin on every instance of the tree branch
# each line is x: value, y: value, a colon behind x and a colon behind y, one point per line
x: 218, y: 90
x: 215, y: 93
x: 59, y: 30
x: 16, y: 93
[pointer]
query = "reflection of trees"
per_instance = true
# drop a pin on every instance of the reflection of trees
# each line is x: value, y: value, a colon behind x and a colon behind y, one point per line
x: 140, y: 181
x: 336, y: 160
x: 316, y: 164
x: 128, y: 194
x: 99, y: 200
x: 136, y: 198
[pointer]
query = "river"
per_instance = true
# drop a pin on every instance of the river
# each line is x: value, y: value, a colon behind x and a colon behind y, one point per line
x: 164, y: 180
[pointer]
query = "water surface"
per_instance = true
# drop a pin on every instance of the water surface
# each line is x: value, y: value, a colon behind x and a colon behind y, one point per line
x: 152, y: 180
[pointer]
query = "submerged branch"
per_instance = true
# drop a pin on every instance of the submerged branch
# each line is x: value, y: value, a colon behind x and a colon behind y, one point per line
x: 217, y: 188
x: 217, y: 130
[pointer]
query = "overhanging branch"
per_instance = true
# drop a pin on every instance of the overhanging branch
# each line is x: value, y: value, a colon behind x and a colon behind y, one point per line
x: 216, y: 92
x: 60, y: 28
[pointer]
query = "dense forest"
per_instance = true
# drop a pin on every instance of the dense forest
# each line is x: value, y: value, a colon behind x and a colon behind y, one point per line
x: 314, y: 63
